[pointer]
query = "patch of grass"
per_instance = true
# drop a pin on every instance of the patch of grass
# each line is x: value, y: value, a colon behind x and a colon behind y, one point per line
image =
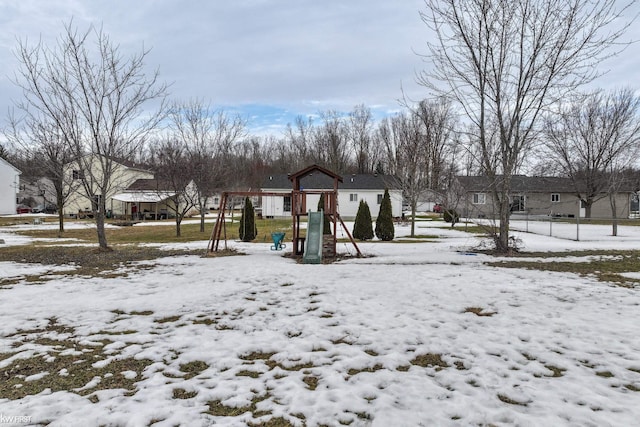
x: 632, y: 387
x: 257, y: 355
x: 604, y: 374
x: 141, y: 313
x: 206, y: 321
x: 479, y: 311
x: 191, y: 369
x: 168, y: 319
x: 373, y: 368
x: 217, y: 408
x: 506, y: 399
x: 311, y: 381
x: 290, y: 366
x: 272, y: 422
x: 370, y: 352
x: 88, y: 261
x: 342, y: 340
x: 73, y: 372
x: 606, y: 266
x: 430, y: 359
x: 557, y: 372
x: 248, y: 373
x: 180, y: 393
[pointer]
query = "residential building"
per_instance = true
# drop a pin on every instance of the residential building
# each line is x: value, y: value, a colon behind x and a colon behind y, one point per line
x: 550, y: 196
x: 123, y: 175
x: 352, y: 189
x: 9, y: 185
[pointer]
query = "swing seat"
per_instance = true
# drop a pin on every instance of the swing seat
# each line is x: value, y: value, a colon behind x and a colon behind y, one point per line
x: 277, y: 241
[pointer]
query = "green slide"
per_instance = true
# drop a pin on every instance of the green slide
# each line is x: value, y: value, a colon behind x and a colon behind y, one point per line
x: 313, y: 242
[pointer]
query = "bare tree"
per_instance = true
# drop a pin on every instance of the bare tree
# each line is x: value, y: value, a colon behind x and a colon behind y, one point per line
x: 174, y: 178
x: 593, y: 140
x: 298, y: 143
x: 43, y: 145
x: 360, y: 125
x: 504, y: 62
x: 94, y: 97
x: 403, y: 138
x: 330, y: 142
x: 208, y: 136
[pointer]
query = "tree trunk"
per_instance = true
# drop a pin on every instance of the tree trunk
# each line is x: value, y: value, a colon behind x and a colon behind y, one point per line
x: 102, y: 236
x: 614, y: 214
x: 502, y: 240
x: 60, y: 221
x: 587, y: 208
x: 413, y: 219
x: 178, y: 220
x: 202, y: 221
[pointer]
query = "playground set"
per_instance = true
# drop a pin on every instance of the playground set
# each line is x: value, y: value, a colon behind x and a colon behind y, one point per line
x: 314, y: 245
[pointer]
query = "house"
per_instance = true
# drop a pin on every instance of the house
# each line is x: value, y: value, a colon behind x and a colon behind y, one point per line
x: 352, y: 189
x: 37, y: 192
x: 151, y: 199
x: 9, y: 184
x: 550, y: 196
x: 124, y: 174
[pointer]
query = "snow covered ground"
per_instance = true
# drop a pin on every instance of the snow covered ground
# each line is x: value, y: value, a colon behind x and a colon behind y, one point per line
x: 387, y: 340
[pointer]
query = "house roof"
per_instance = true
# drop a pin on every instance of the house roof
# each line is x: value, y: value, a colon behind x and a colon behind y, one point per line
x: 148, y: 184
x: 521, y: 184
x: 319, y: 181
x: 10, y: 165
x: 143, y: 196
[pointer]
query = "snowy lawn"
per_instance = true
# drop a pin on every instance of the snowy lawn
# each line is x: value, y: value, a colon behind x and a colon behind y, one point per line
x: 423, y: 333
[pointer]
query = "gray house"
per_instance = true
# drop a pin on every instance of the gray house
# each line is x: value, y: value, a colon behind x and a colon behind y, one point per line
x: 550, y: 196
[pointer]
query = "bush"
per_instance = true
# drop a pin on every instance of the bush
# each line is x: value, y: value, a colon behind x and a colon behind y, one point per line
x: 451, y: 216
x: 248, y: 229
x: 384, y: 222
x: 363, y: 227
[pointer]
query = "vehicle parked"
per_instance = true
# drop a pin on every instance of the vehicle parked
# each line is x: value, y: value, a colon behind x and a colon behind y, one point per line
x: 23, y: 209
x: 46, y: 209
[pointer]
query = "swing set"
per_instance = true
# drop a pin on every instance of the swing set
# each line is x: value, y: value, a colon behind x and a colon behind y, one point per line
x: 298, y: 210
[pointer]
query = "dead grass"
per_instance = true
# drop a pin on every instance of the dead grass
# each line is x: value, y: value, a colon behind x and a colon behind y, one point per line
x: 430, y: 360
x: 194, y: 368
x: 87, y: 261
x: 74, y: 371
x: 606, y: 266
x: 479, y: 311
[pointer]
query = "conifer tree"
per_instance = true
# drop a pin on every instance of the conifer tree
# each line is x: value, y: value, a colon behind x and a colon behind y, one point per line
x: 327, y: 224
x: 384, y: 222
x: 363, y: 227
x: 248, y: 229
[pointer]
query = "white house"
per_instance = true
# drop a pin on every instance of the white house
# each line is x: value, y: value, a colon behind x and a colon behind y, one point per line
x: 352, y: 189
x: 9, y: 184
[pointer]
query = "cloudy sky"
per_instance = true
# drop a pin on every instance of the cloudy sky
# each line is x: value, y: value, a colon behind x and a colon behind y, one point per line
x: 267, y: 60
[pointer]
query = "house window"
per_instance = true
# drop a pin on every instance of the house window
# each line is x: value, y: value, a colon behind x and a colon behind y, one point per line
x: 77, y: 174
x: 517, y: 203
x: 479, y: 198
x: 286, y: 205
x: 555, y: 197
x: 380, y: 198
x: 353, y: 197
x: 97, y: 201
